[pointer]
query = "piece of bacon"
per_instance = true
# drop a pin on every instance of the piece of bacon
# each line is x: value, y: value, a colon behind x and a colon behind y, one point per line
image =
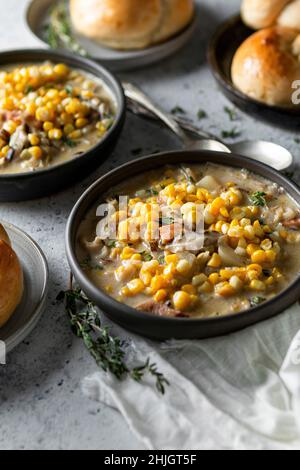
x: 160, y: 309
x: 293, y: 224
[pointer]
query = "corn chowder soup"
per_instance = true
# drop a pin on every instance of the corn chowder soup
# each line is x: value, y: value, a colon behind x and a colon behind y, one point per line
x: 50, y: 113
x: 249, y: 249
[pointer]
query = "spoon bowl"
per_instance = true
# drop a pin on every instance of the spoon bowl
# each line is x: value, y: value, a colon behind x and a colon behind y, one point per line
x: 269, y: 153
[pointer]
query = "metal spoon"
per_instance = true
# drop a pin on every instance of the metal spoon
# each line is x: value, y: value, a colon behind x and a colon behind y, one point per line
x: 269, y: 153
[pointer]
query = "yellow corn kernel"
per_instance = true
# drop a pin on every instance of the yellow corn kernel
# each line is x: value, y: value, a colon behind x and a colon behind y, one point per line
x: 127, y: 253
x: 161, y: 295
x: 224, y: 289
x: 219, y: 225
x: 216, y: 205
x: 55, y: 134
x: 252, y: 248
x: 249, y: 232
x: 150, y: 266
x: 236, y: 283
x: 171, y: 259
x: 244, y: 222
x: 252, y: 275
x: 189, y: 289
x: 115, y: 252
x: 47, y: 126
x: 255, y: 267
x: 257, y: 285
x: 75, y: 134
x: 146, y: 278
x: 234, y: 223
x: 136, y: 257
x: 125, y: 292
x: 62, y: 70
x: 214, y: 278
x: 33, y: 139
x: 181, y: 300
x: 199, y: 280
x: 10, y: 127
x: 158, y: 282
x: 236, y: 232
x: 259, y: 257
x: 258, y: 229
x: 123, y: 230
x: 169, y: 271
x: 5, y: 150
x: 215, y: 261
x: 31, y: 109
x: 270, y: 281
x: 36, y: 152
x: 183, y: 267
x: 68, y: 129
x: 74, y: 106
x: 136, y: 286
x: 271, y: 256
x: 44, y: 114
x: 224, y: 212
x: 267, y: 229
x: 81, y: 122
x: 206, y: 288
x: 266, y: 244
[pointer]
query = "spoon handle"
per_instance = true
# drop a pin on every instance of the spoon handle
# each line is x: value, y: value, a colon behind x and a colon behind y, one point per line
x: 138, y: 96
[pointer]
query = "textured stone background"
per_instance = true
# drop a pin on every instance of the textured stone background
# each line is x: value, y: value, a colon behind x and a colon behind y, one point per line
x: 41, y: 405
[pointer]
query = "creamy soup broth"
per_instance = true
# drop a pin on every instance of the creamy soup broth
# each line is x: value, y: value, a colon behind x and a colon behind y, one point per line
x: 251, y: 250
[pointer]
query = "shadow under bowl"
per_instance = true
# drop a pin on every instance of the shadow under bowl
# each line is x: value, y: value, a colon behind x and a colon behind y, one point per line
x: 40, y: 183
x: 160, y: 327
x: 221, y: 50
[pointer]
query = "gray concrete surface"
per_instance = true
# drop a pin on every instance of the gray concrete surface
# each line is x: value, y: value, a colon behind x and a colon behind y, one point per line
x: 41, y: 404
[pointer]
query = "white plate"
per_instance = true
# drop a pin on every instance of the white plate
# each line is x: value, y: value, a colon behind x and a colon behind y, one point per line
x: 37, y: 16
x: 36, y: 274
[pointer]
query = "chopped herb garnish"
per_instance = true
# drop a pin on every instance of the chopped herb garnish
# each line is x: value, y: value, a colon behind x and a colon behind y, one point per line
x: 257, y: 300
x: 108, y: 351
x: 69, y: 89
x: 232, y: 134
x: 69, y: 142
x: 177, y: 110
x: 146, y: 256
x: 201, y: 114
x: 166, y: 220
x: 111, y: 243
x: 231, y: 113
x: 88, y: 264
x: 29, y: 89
x: 161, y: 259
x: 258, y: 199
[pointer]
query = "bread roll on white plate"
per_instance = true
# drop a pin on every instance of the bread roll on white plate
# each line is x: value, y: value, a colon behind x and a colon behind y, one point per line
x: 266, y: 64
x: 130, y: 24
x: 11, y: 279
x: 264, y: 13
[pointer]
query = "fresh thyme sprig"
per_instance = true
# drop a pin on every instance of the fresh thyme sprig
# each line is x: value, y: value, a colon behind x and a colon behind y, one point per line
x: 258, y: 199
x: 59, y: 30
x: 107, y: 350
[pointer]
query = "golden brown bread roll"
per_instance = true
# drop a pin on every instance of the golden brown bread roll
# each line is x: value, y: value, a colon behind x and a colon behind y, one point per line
x: 261, y: 13
x: 266, y: 64
x: 290, y: 16
x: 11, y: 279
x: 127, y: 24
x: 3, y: 235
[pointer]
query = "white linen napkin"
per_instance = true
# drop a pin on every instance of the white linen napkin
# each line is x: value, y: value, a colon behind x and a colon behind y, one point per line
x: 240, y: 391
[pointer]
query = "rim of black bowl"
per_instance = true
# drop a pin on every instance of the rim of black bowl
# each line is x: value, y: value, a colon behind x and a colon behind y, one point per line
x: 22, y: 56
x: 221, y: 78
x: 209, y: 157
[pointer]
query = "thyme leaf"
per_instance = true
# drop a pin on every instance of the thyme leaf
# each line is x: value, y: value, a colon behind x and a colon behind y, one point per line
x: 257, y: 300
x: 258, y: 199
x: 107, y: 350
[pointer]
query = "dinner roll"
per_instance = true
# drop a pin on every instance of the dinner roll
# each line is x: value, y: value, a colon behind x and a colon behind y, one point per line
x: 266, y: 64
x: 261, y: 13
x: 3, y: 235
x: 11, y: 282
x: 130, y: 24
x: 290, y: 16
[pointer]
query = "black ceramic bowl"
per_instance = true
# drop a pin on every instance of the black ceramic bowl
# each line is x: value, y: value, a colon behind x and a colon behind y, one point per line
x: 22, y: 186
x: 158, y: 327
x: 222, y: 47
